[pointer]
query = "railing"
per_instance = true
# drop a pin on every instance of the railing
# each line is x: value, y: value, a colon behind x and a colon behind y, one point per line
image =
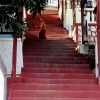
x: 53, y: 2
x: 89, y: 4
x: 76, y: 33
x: 91, y: 18
x: 3, y: 82
x: 90, y: 14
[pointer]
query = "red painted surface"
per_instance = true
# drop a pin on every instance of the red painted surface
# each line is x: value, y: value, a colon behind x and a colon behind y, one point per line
x: 14, y: 57
x: 47, y: 73
x: 30, y: 98
x: 11, y: 80
x: 98, y: 32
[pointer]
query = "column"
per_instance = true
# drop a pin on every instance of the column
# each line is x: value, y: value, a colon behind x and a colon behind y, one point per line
x: 58, y: 5
x: 62, y: 9
x: 82, y: 16
x: 98, y: 34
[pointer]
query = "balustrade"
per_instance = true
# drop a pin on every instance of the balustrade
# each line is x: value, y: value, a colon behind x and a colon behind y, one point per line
x: 91, y: 16
x: 53, y: 2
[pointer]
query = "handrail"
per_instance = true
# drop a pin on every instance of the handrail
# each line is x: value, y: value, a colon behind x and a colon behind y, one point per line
x: 76, y: 33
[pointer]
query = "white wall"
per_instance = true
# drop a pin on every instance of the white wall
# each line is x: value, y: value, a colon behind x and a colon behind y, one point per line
x: 6, y: 46
x: 69, y: 16
x: 3, y: 80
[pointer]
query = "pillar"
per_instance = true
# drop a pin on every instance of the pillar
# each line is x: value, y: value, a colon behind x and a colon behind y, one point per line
x: 58, y: 5
x: 98, y: 33
x: 14, y: 56
x: 62, y: 9
x: 73, y: 5
x: 82, y: 17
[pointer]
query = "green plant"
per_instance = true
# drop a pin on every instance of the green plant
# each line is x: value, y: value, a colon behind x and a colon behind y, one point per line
x: 9, y: 13
x: 36, y: 5
x: 10, y: 22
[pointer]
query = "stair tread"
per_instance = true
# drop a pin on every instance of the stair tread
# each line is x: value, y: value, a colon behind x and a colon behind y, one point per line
x: 66, y: 87
x: 59, y: 81
x: 55, y: 93
x: 55, y: 70
x: 51, y: 65
x: 43, y: 98
x: 57, y: 75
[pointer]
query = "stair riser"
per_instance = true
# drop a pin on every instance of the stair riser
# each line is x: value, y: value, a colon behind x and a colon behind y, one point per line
x: 57, y: 76
x: 52, y: 51
x: 44, y: 65
x: 67, y: 87
x: 53, y: 43
x: 55, y: 70
x: 48, y: 48
x: 55, y: 46
x: 55, y: 94
x: 59, y: 81
x: 54, y: 62
x: 42, y: 98
x: 51, y: 54
x: 53, y: 58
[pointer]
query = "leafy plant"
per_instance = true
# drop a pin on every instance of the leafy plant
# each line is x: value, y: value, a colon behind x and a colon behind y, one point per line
x: 36, y: 5
x: 9, y: 13
x: 10, y: 22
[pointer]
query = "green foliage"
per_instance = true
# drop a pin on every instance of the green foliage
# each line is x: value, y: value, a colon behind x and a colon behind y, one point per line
x: 16, y: 26
x: 12, y: 22
x: 36, y: 5
x: 18, y: 4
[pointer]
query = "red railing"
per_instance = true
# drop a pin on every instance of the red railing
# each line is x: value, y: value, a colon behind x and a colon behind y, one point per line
x: 92, y: 33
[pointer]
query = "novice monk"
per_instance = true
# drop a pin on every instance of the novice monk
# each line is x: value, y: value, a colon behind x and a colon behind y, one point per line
x: 42, y: 33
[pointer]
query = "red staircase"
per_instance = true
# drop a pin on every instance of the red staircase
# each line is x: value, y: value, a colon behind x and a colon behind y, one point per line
x: 54, y: 70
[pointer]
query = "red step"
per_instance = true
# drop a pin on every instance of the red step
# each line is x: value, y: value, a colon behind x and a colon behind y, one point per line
x: 51, y: 42
x: 48, y: 65
x: 46, y: 44
x: 48, y: 47
x: 55, y: 70
x: 53, y: 58
x: 66, y: 87
x: 42, y: 98
x: 57, y: 75
x: 53, y: 51
x: 52, y: 54
x: 59, y: 81
x: 55, y: 94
